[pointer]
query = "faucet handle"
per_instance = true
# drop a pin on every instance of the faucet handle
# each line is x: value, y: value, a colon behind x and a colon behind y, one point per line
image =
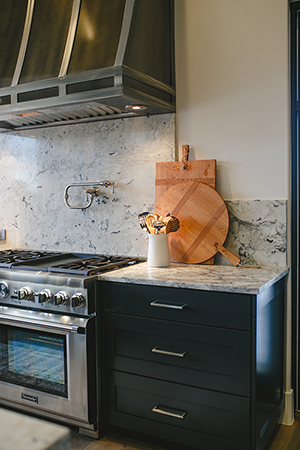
x: 107, y: 183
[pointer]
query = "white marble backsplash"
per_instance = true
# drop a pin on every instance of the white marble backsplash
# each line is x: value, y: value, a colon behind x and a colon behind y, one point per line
x: 37, y: 165
x: 257, y: 232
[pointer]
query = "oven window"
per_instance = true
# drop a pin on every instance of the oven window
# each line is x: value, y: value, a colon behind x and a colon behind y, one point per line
x: 34, y: 359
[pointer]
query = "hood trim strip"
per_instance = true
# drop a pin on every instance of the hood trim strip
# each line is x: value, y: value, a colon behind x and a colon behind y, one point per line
x: 128, y: 11
x: 24, y: 43
x: 70, y: 39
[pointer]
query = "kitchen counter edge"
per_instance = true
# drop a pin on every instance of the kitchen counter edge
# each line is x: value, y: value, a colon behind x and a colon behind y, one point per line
x: 223, y: 278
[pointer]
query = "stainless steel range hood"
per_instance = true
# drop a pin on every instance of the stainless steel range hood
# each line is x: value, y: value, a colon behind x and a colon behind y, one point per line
x: 71, y: 61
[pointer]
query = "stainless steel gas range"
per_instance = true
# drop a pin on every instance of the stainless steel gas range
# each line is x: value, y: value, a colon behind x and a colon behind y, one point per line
x: 48, y: 357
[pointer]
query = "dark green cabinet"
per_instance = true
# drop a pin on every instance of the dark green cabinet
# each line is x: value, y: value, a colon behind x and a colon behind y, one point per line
x: 200, y: 368
x: 202, y: 356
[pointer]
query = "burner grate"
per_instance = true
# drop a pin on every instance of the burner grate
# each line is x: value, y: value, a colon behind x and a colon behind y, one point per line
x: 92, y: 265
x: 61, y: 263
x: 10, y: 258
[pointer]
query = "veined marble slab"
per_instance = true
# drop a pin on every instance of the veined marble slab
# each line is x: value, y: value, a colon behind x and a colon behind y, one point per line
x: 221, y: 278
x: 37, y: 165
x: 257, y: 232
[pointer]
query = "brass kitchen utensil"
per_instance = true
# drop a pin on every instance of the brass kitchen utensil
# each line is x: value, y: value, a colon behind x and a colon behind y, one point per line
x: 149, y: 221
x: 168, y: 226
x: 175, y: 224
x: 172, y: 223
x: 158, y: 225
x: 142, y: 220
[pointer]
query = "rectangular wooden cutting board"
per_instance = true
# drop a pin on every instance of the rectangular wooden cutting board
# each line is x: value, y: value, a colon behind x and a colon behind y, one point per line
x: 169, y: 174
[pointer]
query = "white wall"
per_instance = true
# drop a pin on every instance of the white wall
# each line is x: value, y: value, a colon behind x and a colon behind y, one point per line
x: 232, y: 92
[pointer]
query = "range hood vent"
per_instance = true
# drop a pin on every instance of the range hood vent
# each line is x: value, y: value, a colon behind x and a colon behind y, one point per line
x: 72, y: 61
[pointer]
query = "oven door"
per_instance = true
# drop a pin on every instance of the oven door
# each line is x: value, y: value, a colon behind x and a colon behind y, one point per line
x: 44, y: 364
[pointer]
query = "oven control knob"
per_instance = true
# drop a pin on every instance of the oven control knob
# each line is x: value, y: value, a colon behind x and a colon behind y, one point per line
x: 77, y: 300
x: 3, y: 289
x: 25, y: 293
x: 61, y: 298
x: 45, y: 296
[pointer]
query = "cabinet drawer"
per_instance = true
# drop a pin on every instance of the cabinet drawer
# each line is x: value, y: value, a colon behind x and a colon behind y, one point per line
x: 209, y: 357
x: 226, y: 310
x: 201, y: 418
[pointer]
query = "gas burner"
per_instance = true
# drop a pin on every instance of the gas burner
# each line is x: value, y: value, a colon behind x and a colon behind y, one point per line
x: 62, y: 263
x: 92, y: 265
x: 82, y: 264
x: 9, y: 258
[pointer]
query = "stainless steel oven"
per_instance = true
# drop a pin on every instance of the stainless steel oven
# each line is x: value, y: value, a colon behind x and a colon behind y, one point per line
x: 44, y: 364
x: 48, y: 344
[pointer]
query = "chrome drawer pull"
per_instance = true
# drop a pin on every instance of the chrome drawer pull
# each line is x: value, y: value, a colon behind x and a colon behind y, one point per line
x: 167, y: 305
x: 179, y: 415
x: 165, y: 352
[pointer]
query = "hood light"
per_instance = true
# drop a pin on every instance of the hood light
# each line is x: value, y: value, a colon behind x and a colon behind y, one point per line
x: 32, y: 113
x: 135, y: 107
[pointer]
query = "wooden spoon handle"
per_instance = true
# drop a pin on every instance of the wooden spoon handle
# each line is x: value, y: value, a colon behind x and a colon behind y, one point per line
x: 235, y: 260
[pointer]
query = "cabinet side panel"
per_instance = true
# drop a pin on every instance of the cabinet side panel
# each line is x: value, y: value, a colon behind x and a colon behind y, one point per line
x: 269, y: 362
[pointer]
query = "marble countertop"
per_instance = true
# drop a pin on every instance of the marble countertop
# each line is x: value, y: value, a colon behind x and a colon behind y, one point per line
x: 21, y: 432
x: 203, y: 277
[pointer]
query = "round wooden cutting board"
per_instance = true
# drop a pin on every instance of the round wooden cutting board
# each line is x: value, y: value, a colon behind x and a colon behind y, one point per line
x: 204, y: 222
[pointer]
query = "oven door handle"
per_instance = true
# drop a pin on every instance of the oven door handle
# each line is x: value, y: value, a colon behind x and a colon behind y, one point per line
x: 41, y: 325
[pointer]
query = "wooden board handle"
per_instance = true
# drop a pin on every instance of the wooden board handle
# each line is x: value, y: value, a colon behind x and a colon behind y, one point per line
x: 235, y: 260
x: 185, y: 155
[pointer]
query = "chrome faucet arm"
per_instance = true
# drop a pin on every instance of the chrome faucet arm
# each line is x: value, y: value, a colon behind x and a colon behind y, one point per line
x: 91, y: 191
